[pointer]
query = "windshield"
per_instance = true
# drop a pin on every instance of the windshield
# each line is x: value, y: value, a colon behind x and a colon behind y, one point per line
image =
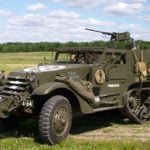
x: 64, y: 58
x: 76, y: 57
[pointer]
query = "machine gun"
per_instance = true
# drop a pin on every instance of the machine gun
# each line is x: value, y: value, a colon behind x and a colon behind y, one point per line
x: 114, y: 36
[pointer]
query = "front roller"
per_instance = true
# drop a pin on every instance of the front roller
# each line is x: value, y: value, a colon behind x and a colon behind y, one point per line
x: 55, y: 120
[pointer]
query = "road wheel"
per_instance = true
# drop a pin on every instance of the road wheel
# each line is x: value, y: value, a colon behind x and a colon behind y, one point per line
x: 136, y: 106
x: 55, y: 120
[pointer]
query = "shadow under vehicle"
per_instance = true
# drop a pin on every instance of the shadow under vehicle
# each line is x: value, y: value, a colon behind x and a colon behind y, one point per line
x: 80, y: 81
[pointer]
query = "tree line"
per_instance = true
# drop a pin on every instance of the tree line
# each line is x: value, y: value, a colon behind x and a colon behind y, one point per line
x: 48, y: 46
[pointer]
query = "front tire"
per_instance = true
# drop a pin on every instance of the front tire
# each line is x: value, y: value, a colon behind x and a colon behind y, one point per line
x: 55, y: 120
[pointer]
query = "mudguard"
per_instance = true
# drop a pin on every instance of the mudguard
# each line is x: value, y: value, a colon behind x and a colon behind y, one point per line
x: 49, y: 87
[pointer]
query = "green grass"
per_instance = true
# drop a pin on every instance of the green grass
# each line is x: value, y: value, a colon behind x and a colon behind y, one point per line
x: 26, y: 137
x: 71, y: 144
x: 14, y: 61
x: 24, y: 58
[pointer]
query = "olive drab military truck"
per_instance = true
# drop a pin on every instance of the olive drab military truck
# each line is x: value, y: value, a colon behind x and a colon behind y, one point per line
x: 80, y: 81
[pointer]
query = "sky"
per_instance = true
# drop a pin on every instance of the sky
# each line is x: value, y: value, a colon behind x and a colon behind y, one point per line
x: 66, y: 20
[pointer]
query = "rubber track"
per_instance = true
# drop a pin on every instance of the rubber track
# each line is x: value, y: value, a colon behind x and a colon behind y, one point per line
x: 127, y: 111
x: 131, y: 116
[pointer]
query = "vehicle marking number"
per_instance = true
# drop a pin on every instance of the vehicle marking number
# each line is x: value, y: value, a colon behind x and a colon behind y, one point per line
x: 73, y: 75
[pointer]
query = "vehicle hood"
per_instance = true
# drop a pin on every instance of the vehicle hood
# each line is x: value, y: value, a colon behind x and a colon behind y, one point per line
x: 50, y: 68
x: 47, y: 73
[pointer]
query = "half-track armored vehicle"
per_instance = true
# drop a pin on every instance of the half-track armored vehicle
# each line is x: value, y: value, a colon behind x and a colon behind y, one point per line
x: 80, y: 81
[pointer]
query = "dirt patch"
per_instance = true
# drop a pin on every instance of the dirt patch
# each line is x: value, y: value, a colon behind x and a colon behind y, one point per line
x: 117, y: 133
x: 108, y: 126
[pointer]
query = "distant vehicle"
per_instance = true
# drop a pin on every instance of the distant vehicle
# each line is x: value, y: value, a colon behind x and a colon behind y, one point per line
x: 81, y: 81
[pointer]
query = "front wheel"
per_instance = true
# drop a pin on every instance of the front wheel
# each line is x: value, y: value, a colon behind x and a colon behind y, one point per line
x: 55, y: 120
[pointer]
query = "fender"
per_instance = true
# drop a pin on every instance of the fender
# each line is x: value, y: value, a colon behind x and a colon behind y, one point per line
x: 49, y: 87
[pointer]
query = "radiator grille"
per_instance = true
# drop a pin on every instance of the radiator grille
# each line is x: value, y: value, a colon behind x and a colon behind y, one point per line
x: 14, y: 86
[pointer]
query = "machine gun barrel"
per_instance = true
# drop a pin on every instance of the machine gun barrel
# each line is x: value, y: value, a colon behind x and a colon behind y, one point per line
x: 107, y: 33
x: 114, y: 36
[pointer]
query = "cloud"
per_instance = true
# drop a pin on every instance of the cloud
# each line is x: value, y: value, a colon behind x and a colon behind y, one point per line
x: 54, y: 19
x: 137, y: 31
x: 137, y: 1
x: 62, y: 26
x: 36, y: 7
x: 148, y: 7
x: 97, y: 3
x: 57, y: 25
x: 29, y: 22
x: 80, y: 3
x: 145, y: 17
x: 4, y: 13
x: 63, y: 14
x: 121, y: 8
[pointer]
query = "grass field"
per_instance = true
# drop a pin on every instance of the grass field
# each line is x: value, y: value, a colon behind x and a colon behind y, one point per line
x: 101, y: 131
x: 13, y: 61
